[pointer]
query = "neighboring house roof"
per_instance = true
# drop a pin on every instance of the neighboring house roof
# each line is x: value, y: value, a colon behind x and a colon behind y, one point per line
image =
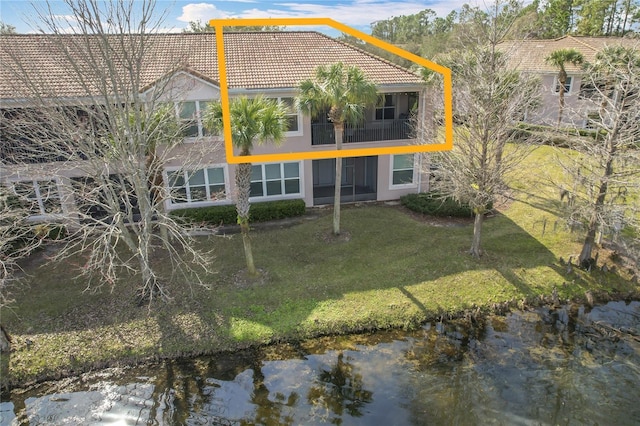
x: 258, y: 60
x: 529, y: 55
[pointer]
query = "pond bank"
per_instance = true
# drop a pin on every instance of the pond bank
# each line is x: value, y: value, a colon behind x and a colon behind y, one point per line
x: 543, y: 365
x: 394, y: 271
x: 471, y: 316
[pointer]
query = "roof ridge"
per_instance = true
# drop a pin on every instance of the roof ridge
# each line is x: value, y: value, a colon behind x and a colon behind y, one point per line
x: 274, y: 60
x: 575, y: 38
x: 186, y: 33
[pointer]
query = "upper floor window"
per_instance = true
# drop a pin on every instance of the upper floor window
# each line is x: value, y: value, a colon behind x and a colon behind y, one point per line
x: 587, y: 91
x: 294, y: 123
x: 275, y: 179
x: 192, y: 186
x: 190, y: 115
x: 386, y: 107
x: 567, y: 85
x: 40, y: 196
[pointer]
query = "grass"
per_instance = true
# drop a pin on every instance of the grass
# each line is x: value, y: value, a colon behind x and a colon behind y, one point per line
x: 392, y: 270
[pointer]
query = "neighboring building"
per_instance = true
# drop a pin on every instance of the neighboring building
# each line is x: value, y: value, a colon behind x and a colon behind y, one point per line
x: 580, y: 102
x: 268, y: 63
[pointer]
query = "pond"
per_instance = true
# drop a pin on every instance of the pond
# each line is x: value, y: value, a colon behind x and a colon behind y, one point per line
x: 564, y: 366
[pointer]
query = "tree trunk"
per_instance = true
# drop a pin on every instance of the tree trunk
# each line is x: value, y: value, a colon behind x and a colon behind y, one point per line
x: 248, y: 253
x: 477, y: 232
x: 156, y: 184
x: 562, y: 82
x: 5, y: 355
x: 5, y: 340
x: 338, y: 131
x: 587, y: 246
x: 150, y: 286
x: 243, y: 185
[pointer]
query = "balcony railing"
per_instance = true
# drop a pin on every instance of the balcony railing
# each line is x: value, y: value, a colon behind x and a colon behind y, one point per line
x: 323, y: 134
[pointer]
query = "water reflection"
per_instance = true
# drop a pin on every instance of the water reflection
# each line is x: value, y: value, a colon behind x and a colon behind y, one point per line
x: 562, y: 366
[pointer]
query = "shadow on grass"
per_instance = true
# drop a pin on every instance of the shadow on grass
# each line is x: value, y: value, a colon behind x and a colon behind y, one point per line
x: 554, y: 207
x: 391, y: 260
x: 394, y: 270
x: 387, y: 250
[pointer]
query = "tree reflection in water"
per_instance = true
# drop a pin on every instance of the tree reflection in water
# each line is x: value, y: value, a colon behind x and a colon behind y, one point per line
x: 269, y: 412
x: 338, y: 389
x: 532, y: 367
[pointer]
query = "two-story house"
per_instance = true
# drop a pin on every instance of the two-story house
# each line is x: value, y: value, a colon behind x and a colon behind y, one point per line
x: 267, y: 63
x: 580, y: 98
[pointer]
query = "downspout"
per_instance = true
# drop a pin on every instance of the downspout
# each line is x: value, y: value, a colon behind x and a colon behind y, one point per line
x: 420, y: 173
x: 423, y: 121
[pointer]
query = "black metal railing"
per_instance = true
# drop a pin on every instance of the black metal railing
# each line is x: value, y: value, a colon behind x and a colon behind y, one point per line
x: 323, y: 134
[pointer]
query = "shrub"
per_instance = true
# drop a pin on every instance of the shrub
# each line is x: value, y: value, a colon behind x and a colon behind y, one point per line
x: 560, y: 137
x: 226, y: 214
x: 272, y: 210
x: 434, y: 204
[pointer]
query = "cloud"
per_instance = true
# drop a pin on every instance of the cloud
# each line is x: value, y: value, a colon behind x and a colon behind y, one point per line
x: 355, y: 13
x: 65, y: 18
x: 201, y: 12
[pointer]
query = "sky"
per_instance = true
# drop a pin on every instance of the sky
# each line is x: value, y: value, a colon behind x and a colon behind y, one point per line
x: 358, y: 14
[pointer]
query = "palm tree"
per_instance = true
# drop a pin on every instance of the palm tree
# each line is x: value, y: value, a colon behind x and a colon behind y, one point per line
x: 345, y: 92
x: 559, y: 59
x: 253, y: 120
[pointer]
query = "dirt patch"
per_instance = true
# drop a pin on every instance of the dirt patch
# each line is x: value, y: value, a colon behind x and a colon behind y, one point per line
x: 436, y: 220
x: 242, y: 278
x: 327, y: 236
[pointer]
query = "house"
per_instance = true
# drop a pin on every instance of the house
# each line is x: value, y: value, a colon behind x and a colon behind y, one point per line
x: 267, y: 63
x: 580, y: 100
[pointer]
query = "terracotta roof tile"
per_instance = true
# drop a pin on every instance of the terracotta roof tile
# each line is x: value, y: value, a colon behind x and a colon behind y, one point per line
x: 254, y: 60
x: 529, y: 55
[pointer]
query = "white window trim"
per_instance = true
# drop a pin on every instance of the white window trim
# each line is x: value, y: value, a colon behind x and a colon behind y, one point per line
x: 281, y: 196
x: 556, y: 83
x: 39, y: 200
x: 298, y: 113
x: 199, y: 117
x: 413, y: 184
x: 170, y: 205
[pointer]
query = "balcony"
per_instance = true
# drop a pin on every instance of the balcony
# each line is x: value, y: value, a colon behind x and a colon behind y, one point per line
x: 386, y: 130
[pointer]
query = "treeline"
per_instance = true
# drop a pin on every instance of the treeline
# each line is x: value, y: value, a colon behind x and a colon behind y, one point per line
x: 556, y: 18
x: 427, y: 34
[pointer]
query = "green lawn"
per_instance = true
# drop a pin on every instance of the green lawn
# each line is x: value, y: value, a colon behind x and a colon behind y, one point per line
x: 393, y: 270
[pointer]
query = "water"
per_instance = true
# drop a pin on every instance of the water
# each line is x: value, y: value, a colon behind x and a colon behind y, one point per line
x: 570, y: 366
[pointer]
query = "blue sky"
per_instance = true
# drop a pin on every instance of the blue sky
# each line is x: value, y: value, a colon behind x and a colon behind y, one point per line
x: 355, y: 13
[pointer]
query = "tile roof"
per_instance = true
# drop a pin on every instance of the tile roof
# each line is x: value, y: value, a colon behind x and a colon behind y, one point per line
x: 258, y: 60
x: 529, y: 55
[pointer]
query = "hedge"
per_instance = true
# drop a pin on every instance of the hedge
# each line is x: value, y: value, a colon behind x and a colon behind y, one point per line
x: 226, y: 214
x: 552, y: 135
x: 434, y: 204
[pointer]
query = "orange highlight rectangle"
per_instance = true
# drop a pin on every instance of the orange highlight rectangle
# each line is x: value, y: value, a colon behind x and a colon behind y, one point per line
x: 218, y: 25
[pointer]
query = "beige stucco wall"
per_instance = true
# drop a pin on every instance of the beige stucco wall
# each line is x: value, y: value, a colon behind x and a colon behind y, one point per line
x: 197, y: 153
x: 575, y: 111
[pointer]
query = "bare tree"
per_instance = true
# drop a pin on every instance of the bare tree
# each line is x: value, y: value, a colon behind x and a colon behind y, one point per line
x: 106, y: 146
x: 18, y: 239
x: 489, y: 98
x: 606, y: 175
